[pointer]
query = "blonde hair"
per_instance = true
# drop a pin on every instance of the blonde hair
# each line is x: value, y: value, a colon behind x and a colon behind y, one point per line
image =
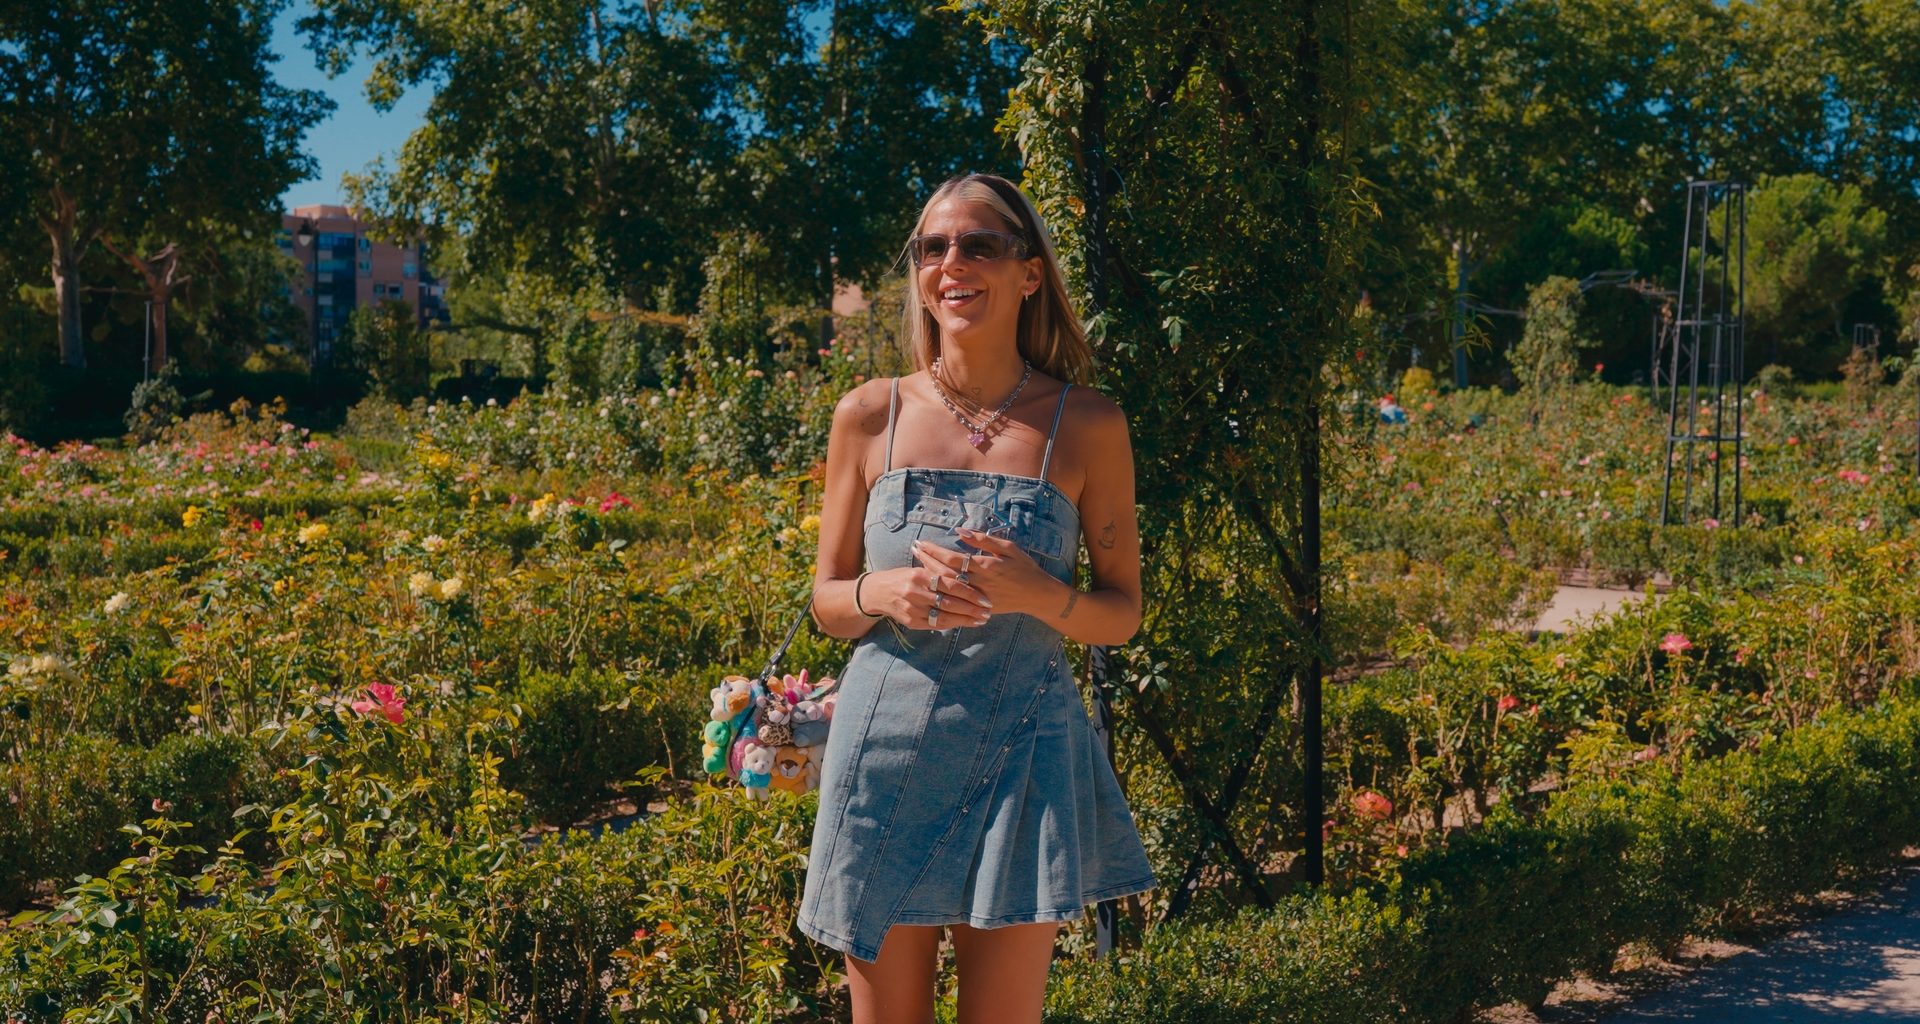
x: 1049, y: 335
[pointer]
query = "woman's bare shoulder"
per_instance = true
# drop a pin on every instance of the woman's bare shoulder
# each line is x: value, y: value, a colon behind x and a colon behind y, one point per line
x: 863, y: 409
x: 1092, y: 410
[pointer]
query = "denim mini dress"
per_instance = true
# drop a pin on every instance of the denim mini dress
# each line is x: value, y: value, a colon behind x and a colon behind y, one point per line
x: 962, y: 783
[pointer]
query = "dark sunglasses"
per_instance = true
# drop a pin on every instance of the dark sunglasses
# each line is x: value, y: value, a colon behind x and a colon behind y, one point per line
x: 978, y: 246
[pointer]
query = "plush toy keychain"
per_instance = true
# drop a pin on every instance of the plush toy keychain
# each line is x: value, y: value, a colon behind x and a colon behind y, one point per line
x: 768, y: 733
x: 756, y: 768
x: 716, y: 740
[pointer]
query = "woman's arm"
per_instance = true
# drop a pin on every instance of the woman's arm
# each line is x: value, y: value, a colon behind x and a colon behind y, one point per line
x: 904, y: 594
x: 1109, y: 613
x: 860, y: 416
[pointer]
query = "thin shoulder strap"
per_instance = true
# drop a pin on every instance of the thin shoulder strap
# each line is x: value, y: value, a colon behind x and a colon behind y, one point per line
x: 1055, y: 429
x: 892, y: 400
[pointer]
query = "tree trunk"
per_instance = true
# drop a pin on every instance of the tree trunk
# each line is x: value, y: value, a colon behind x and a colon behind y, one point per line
x: 159, y: 356
x: 66, y: 289
x: 158, y: 272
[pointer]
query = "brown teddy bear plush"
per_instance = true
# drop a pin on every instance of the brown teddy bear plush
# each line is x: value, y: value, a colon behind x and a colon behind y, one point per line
x: 794, y: 771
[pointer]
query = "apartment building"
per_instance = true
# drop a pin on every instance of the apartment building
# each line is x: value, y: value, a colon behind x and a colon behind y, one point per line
x: 344, y: 270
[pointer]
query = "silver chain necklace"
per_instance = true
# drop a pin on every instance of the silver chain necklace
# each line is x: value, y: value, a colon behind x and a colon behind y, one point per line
x: 977, y: 436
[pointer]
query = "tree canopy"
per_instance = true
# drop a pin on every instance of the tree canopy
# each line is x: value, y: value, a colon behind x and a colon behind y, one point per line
x: 146, y: 121
x: 621, y: 142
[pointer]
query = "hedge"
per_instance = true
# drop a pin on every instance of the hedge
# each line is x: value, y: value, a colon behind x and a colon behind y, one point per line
x: 1504, y: 912
x: 1620, y: 551
x: 691, y: 911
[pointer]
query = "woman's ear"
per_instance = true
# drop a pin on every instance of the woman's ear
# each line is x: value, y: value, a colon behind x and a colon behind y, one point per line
x: 1035, y: 277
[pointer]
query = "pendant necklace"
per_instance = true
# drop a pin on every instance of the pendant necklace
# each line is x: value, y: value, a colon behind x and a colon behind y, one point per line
x: 977, y: 435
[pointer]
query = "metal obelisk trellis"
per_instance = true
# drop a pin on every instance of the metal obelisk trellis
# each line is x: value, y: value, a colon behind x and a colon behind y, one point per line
x: 1708, y: 358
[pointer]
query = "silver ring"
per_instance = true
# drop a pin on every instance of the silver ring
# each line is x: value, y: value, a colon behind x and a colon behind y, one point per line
x: 962, y: 577
x: 933, y: 618
x: 935, y: 585
x: 966, y: 565
x: 937, y: 598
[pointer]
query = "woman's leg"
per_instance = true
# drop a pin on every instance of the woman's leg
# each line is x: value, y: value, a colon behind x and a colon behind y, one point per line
x: 899, y: 986
x: 1003, y: 971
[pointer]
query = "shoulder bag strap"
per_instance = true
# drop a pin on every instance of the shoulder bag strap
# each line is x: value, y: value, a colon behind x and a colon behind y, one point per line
x: 773, y: 663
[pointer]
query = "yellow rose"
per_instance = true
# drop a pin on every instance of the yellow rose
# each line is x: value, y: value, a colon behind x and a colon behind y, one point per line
x: 309, y: 534
x: 192, y: 516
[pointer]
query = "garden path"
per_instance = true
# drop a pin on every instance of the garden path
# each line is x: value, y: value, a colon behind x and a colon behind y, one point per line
x: 1858, y: 964
x: 1572, y: 604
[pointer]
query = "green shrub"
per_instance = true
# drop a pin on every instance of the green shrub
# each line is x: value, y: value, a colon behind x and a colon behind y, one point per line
x: 65, y: 805
x: 1622, y: 551
x: 1503, y: 912
x: 204, y: 779
x: 1317, y: 957
x: 584, y: 732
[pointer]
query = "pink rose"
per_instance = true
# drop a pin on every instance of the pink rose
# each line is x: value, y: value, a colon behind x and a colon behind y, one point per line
x: 384, y: 702
x: 1369, y: 804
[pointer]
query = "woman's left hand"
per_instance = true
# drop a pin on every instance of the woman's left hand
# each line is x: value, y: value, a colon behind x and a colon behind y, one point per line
x: 1001, y: 570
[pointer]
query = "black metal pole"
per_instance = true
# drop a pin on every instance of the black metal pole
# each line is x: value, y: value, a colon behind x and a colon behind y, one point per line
x: 1106, y: 914
x: 1310, y: 690
x: 1721, y: 342
x: 1673, y: 375
x: 1740, y: 369
x: 1693, y: 355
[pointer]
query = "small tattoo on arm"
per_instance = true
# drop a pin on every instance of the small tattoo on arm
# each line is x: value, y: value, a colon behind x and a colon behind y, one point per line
x: 1107, y: 535
x: 1073, y: 597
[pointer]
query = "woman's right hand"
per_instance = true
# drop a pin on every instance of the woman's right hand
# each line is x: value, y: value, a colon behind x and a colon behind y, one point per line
x: 907, y: 595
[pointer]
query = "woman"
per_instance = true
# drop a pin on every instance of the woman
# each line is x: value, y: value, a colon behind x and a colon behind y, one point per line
x: 962, y: 786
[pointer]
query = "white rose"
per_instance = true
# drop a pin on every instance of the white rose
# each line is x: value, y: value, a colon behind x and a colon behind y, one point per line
x: 419, y: 583
x: 450, y: 588
x: 115, y: 603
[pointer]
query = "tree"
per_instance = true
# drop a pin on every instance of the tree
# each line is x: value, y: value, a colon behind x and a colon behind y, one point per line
x: 578, y: 138
x: 571, y: 138
x: 845, y: 128
x: 1810, y: 246
x: 385, y: 341
x: 148, y: 123
x: 1196, y: 162
x: 1548, y: 354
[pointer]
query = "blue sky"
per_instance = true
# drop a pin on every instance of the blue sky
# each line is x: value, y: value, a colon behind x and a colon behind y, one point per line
x: 356, y: 134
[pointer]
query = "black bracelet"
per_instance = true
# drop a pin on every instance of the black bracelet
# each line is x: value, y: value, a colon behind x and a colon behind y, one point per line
x: 856, y: 596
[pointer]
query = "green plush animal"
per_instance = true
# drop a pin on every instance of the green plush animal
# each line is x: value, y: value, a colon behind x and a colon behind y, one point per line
x: 716, y: 739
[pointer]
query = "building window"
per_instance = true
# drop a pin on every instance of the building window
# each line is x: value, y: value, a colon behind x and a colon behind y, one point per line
x: 408, y: 269
x: 366, y: 245
x: 366, y: 266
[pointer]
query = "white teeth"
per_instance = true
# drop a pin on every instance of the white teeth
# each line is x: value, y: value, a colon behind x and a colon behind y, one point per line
x: 959, y: 293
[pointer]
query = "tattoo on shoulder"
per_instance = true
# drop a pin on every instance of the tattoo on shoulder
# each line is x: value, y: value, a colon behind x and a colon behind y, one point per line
x: 1107, y: 535
x: 1073, y: 598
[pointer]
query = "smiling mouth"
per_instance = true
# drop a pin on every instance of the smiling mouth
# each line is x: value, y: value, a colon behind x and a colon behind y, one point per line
x: 957, y: 296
